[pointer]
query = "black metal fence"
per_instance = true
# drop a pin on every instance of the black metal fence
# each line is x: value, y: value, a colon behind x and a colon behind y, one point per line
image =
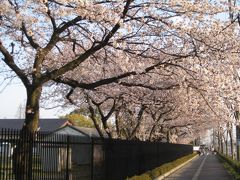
x: 128, y: 158
x: 52, y: 156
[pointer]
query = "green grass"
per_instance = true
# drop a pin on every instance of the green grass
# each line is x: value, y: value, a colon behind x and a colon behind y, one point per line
x: 162, y: 169
x: 232, y: 166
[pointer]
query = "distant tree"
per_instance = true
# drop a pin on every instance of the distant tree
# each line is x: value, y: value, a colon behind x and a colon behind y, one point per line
x: 82, y: 110
x: 79, y: 120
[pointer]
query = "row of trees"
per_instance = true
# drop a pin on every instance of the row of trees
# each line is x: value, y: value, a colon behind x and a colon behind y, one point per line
x: 226, y: 136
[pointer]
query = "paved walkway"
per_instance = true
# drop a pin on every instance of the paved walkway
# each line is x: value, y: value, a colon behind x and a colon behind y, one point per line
x: 201, y: 168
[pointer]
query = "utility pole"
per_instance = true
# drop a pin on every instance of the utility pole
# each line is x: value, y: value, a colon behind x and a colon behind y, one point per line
x: 20, y: 112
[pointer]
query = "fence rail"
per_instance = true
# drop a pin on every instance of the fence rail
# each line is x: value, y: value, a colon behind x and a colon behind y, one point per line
x: 53, y: 156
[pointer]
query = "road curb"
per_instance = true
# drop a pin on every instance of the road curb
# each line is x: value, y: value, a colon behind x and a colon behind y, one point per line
x: 174, y: 169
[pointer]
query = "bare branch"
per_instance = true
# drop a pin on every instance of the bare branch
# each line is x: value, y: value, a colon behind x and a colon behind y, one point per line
x: 8, y: 59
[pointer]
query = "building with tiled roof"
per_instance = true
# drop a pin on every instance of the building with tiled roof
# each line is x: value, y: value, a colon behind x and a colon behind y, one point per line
x: 47, y: 125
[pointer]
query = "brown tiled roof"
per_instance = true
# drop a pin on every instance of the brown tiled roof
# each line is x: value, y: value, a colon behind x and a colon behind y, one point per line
x: 90, y: 132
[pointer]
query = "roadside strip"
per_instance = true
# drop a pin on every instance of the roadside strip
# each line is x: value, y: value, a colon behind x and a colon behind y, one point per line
x: 174, y: 169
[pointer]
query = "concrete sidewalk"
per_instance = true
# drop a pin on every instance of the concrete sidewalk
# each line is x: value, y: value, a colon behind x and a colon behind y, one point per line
x: 202, y: 168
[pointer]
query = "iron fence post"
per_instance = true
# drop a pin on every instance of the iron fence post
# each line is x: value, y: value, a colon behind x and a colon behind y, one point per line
x: 67, y: 166
x: 30, y: 137
x: 92, y: 154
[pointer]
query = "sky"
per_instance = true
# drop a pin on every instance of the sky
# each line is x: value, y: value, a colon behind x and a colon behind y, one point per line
x: 13, y: 96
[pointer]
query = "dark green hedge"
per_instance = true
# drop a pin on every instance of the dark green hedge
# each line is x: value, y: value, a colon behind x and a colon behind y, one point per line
x: 233, y: 166
x: 162, y: 169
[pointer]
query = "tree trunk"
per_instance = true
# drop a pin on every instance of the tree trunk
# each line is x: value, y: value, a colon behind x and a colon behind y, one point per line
x: 168, y: 136
x: 151, y: 132
x: 22, y: 156
x: 231, y: 143
x: 237, y: 141
x: 226, y: 147
x: 32, y: 110
x: 117, y: 124
x: 221, y: 144
x: 139, y: 122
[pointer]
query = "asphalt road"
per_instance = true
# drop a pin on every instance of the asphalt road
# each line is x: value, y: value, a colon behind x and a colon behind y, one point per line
x: 206, y: 167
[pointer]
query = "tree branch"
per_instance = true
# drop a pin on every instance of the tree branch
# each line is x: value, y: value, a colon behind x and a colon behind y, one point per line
x: 29, y: 37
x: 73, y: 64
x: 8, y: 59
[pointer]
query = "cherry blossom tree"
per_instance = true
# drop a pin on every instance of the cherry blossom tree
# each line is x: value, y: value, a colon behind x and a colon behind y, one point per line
x: 44, y: 41
x: 151, y: 44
